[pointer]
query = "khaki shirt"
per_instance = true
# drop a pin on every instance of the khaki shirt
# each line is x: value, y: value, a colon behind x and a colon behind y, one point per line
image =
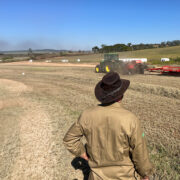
x: 115, y: 143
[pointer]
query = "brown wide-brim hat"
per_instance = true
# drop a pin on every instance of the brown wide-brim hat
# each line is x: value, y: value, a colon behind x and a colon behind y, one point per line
x: 111, y: 88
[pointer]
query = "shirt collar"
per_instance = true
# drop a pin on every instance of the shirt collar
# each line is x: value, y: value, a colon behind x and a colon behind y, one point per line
x: 116, y: 104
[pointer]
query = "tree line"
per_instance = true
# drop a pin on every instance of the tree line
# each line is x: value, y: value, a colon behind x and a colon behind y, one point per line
x: 132, y: 47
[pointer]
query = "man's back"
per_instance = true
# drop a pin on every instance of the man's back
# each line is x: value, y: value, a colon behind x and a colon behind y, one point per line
x: 107, y: 130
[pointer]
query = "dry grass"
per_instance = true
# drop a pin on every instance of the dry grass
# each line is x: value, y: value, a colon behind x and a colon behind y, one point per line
x: 151, y: 54
x: 59, y: 94
x: 170, y: 92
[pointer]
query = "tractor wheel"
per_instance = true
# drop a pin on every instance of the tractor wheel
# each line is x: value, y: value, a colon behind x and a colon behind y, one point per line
x: 97, y: 69
x: 140, y: 69
x: 107, y: 69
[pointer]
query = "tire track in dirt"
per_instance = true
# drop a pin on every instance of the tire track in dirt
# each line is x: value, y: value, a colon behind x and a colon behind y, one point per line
x: 10, y: 109
x: 35, y: 159
x: 15, y: 88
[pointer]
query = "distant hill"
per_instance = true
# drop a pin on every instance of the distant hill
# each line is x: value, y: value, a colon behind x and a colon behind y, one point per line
x: 34, y: 51
x: 153, y: 54
x: 129, y: 47
x: 150, y: 54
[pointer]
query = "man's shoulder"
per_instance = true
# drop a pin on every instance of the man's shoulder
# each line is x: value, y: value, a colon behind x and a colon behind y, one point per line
x: 119, y: 111
x: 90, y: 109
x: 129, y: 113
x: 87, y: 114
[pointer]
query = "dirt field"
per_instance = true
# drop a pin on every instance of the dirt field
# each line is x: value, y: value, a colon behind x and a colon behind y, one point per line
x: 27, y: 63
x: 39, y: 103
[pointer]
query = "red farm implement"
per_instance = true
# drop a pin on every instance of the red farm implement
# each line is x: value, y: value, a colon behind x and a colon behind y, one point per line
x: 171, y: 70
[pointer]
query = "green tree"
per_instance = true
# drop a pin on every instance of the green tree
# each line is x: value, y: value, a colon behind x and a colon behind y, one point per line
x: 30, y: 53
x: 95, y: 49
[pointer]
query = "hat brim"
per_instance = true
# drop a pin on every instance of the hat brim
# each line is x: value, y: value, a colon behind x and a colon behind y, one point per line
x: 100, y: 94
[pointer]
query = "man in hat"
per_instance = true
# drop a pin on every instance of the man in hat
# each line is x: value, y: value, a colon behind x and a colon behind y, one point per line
x: 116, y: 147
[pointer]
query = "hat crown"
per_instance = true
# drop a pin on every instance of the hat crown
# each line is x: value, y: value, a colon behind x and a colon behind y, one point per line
x: 110, y: 78
x: 111, y: 88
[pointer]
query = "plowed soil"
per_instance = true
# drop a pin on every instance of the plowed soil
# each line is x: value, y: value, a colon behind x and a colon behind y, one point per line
x: 39, y: 103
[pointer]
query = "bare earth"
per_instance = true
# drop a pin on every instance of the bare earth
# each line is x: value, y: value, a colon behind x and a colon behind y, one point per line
x: 51, y: 64
x: 38, y: 106
x: 36, y: 158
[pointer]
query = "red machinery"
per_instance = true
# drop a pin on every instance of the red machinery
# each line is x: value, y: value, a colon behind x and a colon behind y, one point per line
x: 174, y: 70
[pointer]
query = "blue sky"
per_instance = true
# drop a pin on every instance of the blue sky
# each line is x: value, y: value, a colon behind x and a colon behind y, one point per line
x: 82, y: 24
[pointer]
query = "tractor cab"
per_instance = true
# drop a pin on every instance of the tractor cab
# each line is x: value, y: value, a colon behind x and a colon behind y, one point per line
x: 111, y: 57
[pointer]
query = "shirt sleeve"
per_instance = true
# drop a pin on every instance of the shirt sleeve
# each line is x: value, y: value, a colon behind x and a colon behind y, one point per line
x: 72, y: 139
x: 140, y: 156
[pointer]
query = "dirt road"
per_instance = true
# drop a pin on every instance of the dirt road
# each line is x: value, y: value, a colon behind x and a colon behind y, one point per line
x: 50, y: 64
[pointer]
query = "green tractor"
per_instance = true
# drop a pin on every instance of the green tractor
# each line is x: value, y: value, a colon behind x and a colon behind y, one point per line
x: 111, y: 62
